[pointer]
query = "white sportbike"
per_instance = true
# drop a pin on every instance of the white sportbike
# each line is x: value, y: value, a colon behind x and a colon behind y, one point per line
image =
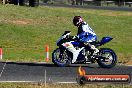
x: 70, y: 49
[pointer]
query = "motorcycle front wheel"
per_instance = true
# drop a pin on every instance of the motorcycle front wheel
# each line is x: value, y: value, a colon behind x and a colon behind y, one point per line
x: 109, y: 58
x: 61, y: 58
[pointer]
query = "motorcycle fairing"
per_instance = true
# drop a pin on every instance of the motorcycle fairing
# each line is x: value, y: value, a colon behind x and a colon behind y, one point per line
x: 105, y: 40
x: 69, y: 46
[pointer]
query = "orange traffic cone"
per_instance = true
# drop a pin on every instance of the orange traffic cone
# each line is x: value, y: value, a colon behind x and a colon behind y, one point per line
x: 1, y: 53
x: 47, y: 53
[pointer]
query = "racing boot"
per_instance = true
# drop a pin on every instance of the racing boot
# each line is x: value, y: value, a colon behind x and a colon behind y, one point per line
x: 95, y: 50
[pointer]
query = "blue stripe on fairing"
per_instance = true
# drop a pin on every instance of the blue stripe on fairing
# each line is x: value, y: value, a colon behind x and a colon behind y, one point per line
x: 75, y: 43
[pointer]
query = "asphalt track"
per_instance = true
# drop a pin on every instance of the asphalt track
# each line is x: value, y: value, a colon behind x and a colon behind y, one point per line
x: 91, y: 7
x: 38, y: 72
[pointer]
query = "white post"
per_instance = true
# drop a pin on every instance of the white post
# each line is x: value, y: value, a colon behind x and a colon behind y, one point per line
x: 124, y: 3
x: 4, y: 1
x: 18, y: 3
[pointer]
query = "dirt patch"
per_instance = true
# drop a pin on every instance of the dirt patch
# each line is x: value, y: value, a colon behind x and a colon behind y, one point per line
x: 26, y: 21
x: 116, y: 14
x: 21, y: 22
x: 109, y: 14
x: 129, y: 63
x: 125, y: 59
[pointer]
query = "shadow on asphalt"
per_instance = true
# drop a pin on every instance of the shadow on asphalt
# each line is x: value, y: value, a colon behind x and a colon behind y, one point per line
x: 47, y: 64
x: 30, y: 64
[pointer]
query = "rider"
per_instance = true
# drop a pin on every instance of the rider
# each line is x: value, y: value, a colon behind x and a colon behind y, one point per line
x: 85, y: 34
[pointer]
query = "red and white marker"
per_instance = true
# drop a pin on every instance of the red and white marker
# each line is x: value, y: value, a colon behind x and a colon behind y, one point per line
x: 1, y: 53
x: 47, y: 53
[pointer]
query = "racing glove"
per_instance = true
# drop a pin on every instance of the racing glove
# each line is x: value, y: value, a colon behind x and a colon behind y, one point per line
x: 75, y: 38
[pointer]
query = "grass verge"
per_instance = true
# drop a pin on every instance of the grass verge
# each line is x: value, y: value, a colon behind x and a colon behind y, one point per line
x: 33, y: 85
x: 24, y: 31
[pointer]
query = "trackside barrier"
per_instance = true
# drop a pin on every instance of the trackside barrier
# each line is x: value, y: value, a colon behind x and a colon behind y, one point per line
x: 1, y: 53
x: 47, y: 53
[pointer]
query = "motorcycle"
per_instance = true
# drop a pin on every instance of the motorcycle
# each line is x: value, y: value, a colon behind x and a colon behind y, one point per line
x: 70, y: 48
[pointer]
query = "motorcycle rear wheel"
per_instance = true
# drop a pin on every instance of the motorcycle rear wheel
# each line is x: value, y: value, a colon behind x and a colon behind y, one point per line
x: 110, y: 58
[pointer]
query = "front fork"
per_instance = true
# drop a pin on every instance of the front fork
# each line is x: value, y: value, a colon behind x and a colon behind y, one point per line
x: 63, y: 51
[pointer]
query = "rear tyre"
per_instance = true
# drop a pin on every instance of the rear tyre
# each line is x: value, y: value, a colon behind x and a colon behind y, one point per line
x: 61, y: 59
x: 109, y: 59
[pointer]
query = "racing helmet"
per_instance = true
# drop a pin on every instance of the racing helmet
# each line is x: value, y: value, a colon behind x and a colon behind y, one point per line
x: 77, y: 20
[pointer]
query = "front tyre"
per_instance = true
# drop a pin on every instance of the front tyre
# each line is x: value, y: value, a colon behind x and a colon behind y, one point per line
x: 108, y: 58
x: 60, y: 58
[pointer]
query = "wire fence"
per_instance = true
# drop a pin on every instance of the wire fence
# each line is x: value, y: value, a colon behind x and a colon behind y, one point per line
x: 113, y: 3
x: 119, y: 3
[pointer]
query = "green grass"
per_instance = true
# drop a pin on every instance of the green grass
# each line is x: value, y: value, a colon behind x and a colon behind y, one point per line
x: 52, y: 85
x: 24, y: 31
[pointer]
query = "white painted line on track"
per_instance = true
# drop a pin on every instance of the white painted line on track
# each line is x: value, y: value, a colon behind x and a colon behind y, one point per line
x: 3, y: 69
x: 66, y: 82
x: 70, y: 65
x: 32, y: 82
x: 17, y: 81
x: 128, y: 65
